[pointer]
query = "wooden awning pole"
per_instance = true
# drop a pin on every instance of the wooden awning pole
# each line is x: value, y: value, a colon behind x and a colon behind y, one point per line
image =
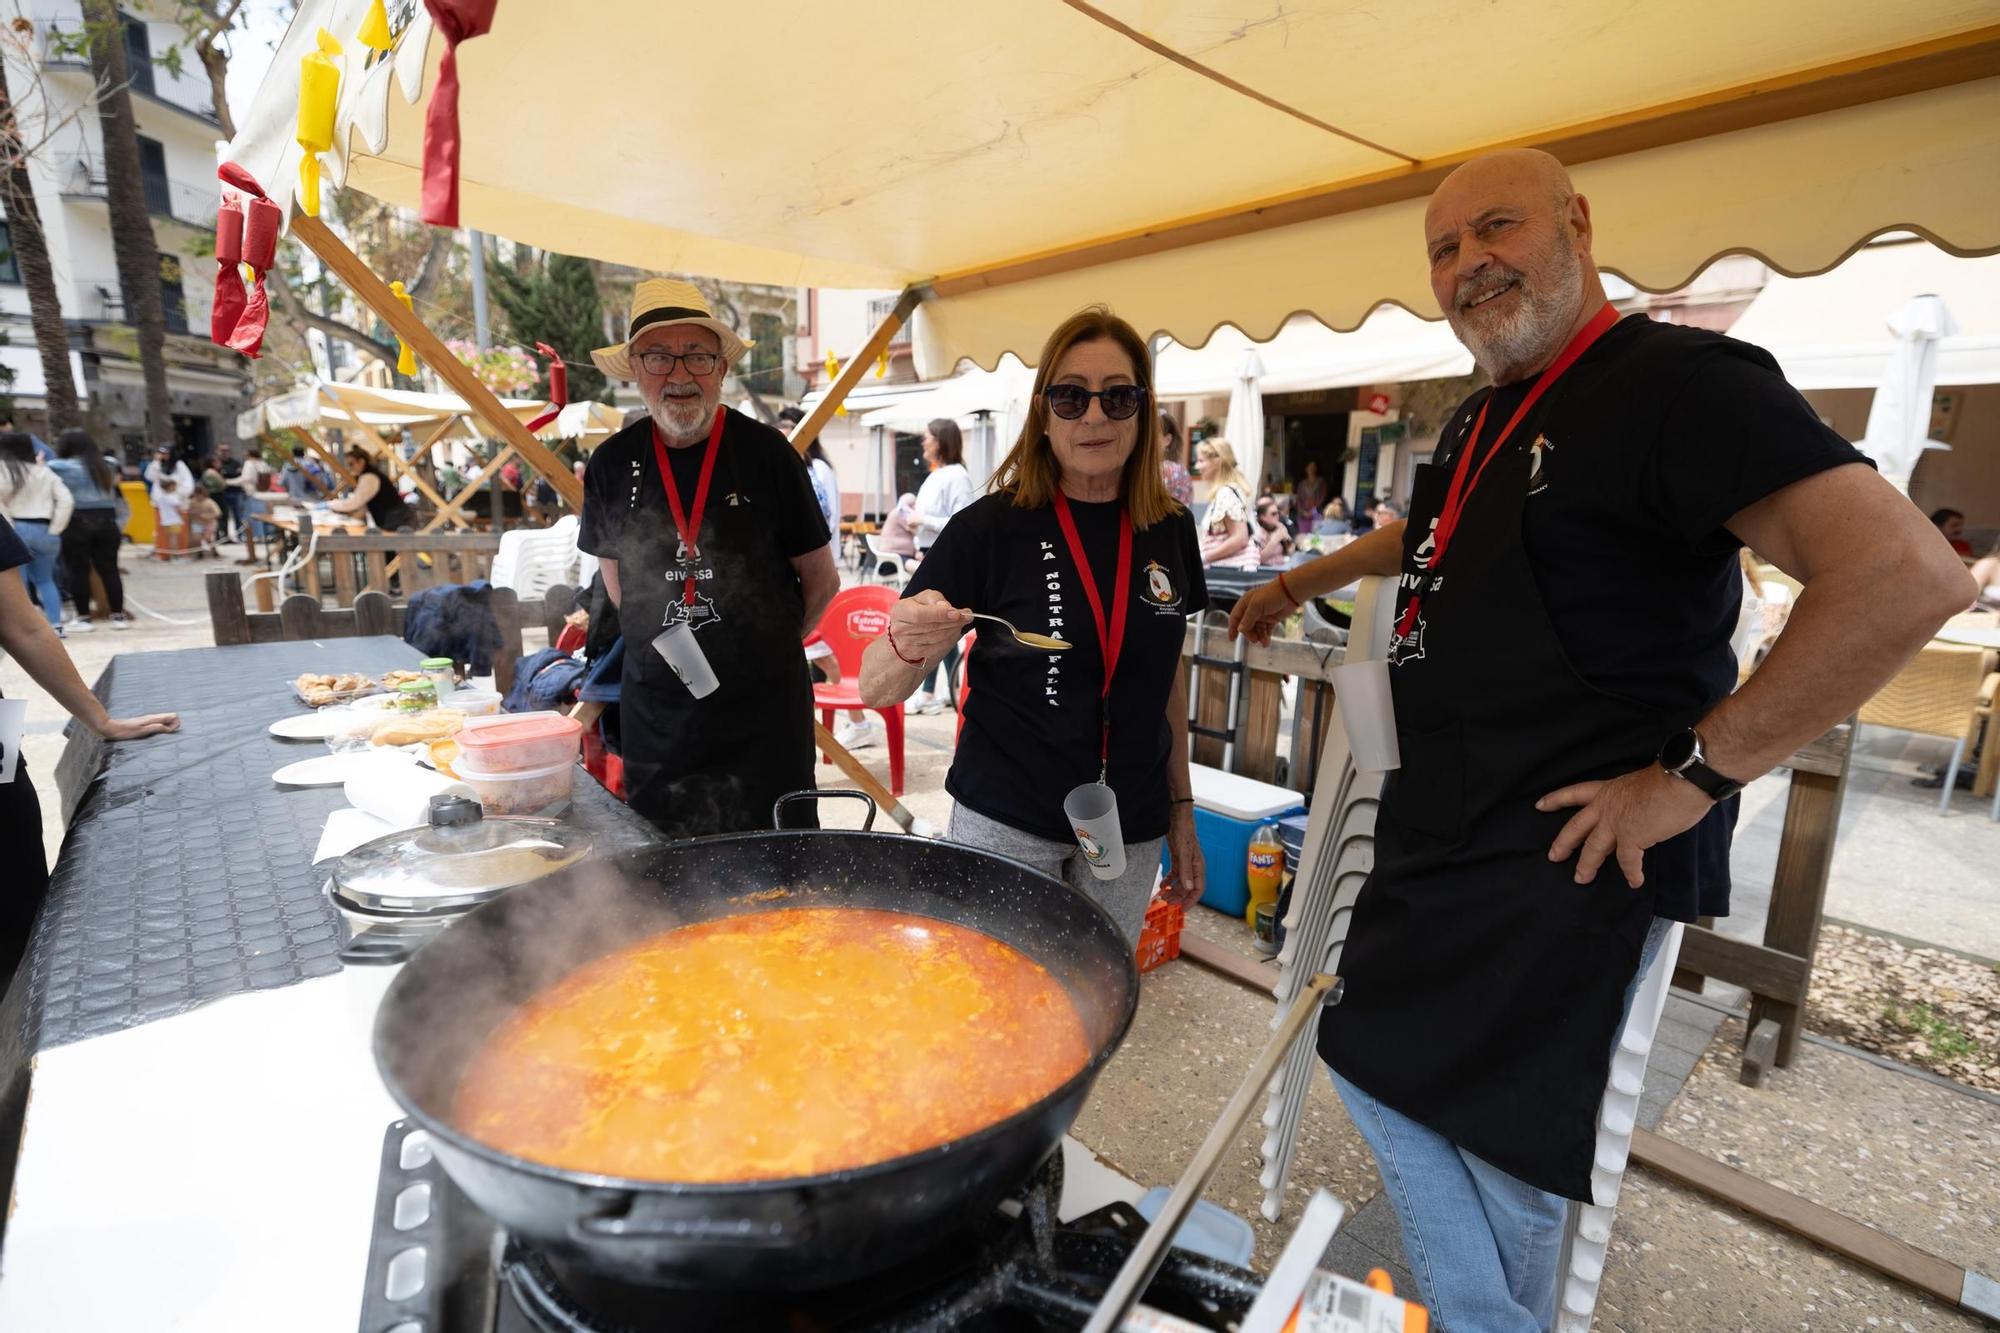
x: 375, y: 294
x: 809, y: 429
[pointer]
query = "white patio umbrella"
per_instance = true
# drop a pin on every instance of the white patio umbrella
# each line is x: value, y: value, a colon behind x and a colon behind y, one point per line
x: 1245, y: 430
x: 1899, y: 420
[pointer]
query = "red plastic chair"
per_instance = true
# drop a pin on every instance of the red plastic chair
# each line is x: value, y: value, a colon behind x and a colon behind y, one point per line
x: 855, y: 618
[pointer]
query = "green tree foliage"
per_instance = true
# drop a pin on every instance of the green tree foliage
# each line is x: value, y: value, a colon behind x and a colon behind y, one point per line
x: 555, y: 300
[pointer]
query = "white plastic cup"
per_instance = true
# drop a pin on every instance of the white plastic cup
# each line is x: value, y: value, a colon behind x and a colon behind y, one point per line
x: 1092, y: 811
x: 676, y: 645
x: 1368, y: 713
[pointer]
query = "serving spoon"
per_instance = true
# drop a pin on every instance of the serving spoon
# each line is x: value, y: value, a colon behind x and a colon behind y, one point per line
x: 1044, y: 641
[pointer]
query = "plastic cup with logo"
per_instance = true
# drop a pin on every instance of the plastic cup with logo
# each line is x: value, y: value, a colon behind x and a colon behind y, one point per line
x: 1368, y: 714
x: 1092, y: 811
x: 676, y: 646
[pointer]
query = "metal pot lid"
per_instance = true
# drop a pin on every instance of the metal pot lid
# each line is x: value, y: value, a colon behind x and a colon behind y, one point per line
x: 459, y: 859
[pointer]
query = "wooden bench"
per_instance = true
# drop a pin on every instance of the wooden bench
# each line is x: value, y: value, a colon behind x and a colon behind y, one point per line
x: 301, y: 616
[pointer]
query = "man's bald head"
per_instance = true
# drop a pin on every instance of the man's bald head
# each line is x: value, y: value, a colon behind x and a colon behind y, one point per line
x: 1508, y: 240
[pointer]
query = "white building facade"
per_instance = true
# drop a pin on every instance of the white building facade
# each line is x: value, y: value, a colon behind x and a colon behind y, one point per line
x: 177, y: 131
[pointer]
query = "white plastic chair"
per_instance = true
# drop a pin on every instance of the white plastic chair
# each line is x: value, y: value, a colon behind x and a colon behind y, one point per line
x: 885, y: 566
x: 531, y: 560
x: 1588, y: 1232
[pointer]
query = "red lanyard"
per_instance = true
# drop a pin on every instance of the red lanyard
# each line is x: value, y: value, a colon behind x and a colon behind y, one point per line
x: 1459, y: 494
x: 1111, y: 637
x: 686, y: 524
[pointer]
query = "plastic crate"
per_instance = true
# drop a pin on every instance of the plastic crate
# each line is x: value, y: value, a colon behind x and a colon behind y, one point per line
x: 1160, y: 939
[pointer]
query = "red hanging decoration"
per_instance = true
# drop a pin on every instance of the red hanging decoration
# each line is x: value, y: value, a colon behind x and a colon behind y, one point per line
x: 247, y: 226
x: 457, y: 21
x: 558, y: 388
x: 227, y: 311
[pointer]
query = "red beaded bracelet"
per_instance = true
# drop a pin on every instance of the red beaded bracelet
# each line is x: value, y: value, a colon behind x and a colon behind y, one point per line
x: 1286, y: 589
x: 907, y: 661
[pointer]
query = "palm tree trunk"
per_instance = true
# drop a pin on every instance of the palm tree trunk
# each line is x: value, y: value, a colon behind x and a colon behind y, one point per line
x: 131, y: 225
x: 31, y: 257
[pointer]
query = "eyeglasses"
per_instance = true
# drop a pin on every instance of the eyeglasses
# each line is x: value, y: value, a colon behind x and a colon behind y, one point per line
x: 1070, y: 401
x: 656, y: 362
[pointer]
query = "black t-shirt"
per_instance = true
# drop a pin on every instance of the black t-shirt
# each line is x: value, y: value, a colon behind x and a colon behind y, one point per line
x: 13, y: 551
x: 1032, y: 720
x: 759, y: 487
x: 386, y: 506
x: 1642, y: 453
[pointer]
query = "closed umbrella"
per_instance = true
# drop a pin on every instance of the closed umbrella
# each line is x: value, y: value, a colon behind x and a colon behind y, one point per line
x: 1246, y: 418
x: 1899, y: 420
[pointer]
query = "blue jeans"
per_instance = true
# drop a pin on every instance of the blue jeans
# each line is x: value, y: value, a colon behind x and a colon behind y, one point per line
x: 1483, y: 1246
x: 39, y: 573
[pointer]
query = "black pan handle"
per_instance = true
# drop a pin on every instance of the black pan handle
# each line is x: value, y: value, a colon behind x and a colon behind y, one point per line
x: 778, y: 806
x: 639, y: 1220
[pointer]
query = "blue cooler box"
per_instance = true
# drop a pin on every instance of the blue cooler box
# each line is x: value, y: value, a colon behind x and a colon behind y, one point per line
x: 1227, y: 810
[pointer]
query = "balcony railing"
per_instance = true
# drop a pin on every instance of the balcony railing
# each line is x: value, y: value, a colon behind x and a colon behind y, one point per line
x: 52, y: 31
x: 109, y: 299
x: 82, y: 177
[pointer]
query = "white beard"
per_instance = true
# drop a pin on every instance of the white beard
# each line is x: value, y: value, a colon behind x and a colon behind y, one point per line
x: 683, y: 419
x: 1507, y: 349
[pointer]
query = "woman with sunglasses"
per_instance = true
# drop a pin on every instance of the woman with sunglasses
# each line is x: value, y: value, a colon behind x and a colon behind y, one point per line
x: 1078, y: 541
x: 1225, y: 528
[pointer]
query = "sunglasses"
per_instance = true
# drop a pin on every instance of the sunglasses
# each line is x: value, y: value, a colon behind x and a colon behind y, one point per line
x: 1070, y: 401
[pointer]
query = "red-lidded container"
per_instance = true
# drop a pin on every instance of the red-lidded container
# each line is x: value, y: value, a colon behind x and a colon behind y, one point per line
x: 511, y: 742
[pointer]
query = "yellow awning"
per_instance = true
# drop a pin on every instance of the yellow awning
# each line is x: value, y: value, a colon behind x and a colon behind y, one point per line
x: 1191, y: 162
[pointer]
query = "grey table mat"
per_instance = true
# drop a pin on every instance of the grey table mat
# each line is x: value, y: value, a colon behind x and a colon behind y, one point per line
x: 187, y: 873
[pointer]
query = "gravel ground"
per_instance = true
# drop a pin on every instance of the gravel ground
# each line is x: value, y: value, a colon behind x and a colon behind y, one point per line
x: 1925, y: 1007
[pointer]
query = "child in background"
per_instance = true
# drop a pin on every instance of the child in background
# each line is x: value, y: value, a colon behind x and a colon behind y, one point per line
x: 204, y: 515
x: 170, y: 519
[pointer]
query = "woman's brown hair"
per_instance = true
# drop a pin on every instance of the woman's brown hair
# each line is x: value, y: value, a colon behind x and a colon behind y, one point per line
x: 1029, y: 475
x: 951, y: 444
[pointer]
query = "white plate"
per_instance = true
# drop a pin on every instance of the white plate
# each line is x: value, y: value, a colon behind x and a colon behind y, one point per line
x: 306, y: 726
x: 331, y: 770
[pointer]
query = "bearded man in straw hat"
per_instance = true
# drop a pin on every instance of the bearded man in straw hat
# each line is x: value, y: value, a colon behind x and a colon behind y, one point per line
x: 707, y: 527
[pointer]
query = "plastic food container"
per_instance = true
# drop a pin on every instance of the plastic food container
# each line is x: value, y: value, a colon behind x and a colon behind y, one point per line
x: 525, y: 791
x: 515, y: 742
x: 472, y: 703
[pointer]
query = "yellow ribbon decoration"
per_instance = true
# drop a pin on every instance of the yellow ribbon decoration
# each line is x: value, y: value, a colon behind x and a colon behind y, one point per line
x: 882, y: 364
x: 374, y: 31
x: 832, y: 374
x: 319, y: 92
x: 406, y: 360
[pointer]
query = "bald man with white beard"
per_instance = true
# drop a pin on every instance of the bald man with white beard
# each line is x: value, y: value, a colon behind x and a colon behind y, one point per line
x: 1571, y: 746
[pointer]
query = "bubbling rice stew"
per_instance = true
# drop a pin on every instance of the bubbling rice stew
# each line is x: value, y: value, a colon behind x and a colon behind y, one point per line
x: 777, y: 1044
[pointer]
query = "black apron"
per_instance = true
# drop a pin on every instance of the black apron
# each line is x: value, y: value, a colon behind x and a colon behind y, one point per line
x: 1484, y: 986
x: 714, y: 765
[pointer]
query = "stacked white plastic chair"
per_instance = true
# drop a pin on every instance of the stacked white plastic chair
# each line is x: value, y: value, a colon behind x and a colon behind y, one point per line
x: 1589, y: 1231
x: 531, y: 560
x: 1339, y: 853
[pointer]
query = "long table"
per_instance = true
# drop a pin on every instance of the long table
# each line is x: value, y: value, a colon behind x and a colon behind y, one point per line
x: 181, y: 1020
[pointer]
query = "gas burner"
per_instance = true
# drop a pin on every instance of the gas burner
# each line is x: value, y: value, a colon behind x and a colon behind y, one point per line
x: 1017, y: 1271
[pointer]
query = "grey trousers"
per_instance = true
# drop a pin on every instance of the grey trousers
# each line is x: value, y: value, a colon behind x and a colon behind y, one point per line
x: 1125, y: 898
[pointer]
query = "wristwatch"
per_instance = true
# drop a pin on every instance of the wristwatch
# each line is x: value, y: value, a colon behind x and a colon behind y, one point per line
x: 1682, y: 756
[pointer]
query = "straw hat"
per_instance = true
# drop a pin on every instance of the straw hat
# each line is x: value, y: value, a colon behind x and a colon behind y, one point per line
x: 663, y: 301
